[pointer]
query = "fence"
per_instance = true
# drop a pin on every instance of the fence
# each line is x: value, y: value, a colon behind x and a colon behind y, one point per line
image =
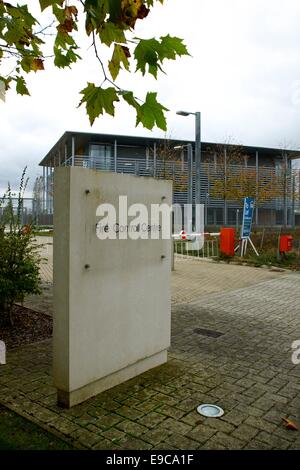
x: 210, y: 249
x: 29, y: 212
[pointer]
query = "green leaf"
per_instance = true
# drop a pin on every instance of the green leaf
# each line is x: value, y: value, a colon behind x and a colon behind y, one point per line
x: 64, y: 60
x: 48, y: 3
x: 26, y: 63
x: 21, y: 13
x: 96, y: 13
x: 151, y: 53
x: 150, y: 3
x: 172, y: 47
x: 63, y: 41
x: 110, y: 33
x: 151, y: 113
x: 130, y: 99
x: 118, y: 57
x: 146, y: 54
x: 114, y: 9
x: 98, y: 101
x: 21, y: 87
x: 128, y: 96
x: 59, y: 13
x: 60, y: 59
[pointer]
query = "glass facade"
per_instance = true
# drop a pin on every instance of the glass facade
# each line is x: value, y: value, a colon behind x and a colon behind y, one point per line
x: 100, y: 156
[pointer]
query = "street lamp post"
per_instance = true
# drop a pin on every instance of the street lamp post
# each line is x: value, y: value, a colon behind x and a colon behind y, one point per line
x: 197, y: 151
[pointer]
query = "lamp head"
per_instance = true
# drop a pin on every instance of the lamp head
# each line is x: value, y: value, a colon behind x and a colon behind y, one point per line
x: 179, y: 147
x: 183, y: 113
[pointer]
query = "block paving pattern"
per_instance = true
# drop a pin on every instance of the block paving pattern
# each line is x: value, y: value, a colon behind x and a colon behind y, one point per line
x: 247, y: 371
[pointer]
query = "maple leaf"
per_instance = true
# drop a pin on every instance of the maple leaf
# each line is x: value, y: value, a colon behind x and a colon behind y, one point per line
x: 126, y: 51
x: 98, y: 101
x: 108, y: 21
x: 71, y: 11
x: 151, y: 113
x: 66, y: 27
x: 130, y: 11
x: 110, y: 32
x: 118, y: 58
x: 171, y: 46
x: 48, y: 3
x: 143, y: 12
x: 146, y: 55
x: 21, y: 87
x: 37, y: 64
x: 128, y: 96
x: 150, y: 53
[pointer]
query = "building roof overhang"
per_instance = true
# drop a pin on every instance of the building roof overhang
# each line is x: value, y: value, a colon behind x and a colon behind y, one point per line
x: 83, y: 138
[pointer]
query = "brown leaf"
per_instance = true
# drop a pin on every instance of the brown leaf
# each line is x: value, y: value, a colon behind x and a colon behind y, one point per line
x: 143, y: 12
x: 290, y: 424
x: 37, y: 64
x: 131, y: 10
x: 71, y: 11
x: 66, y: 27
x: 126, y: 51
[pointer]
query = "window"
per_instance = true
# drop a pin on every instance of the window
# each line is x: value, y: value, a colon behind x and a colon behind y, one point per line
x: 100, y: 156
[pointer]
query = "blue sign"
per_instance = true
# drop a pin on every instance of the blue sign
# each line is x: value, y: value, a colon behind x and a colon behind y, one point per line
x: 247, y: 217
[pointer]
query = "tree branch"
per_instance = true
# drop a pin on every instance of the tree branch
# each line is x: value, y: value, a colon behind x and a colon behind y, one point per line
x: 106, y: 78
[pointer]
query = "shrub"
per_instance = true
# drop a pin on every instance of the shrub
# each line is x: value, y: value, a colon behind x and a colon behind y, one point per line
x: 19, y: 259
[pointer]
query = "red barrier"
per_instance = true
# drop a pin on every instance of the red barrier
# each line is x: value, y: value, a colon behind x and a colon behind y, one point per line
x: 227, y: 241
x: 286, y: 243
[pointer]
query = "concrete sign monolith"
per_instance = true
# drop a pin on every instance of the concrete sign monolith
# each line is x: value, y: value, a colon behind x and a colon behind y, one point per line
x: 111, y: 295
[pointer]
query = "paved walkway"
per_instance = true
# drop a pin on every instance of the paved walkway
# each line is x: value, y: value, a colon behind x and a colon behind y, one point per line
x: 195, y: 279
x: 191, y: 280
x: 247, y: 370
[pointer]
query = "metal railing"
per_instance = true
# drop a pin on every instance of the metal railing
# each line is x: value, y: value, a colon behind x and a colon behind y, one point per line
x: 210, y: 249
x: 211, y: 176
x: 219, y: 210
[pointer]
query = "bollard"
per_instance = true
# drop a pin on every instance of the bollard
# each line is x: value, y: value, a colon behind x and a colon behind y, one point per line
x: 227, y: 241
x: 285, y: 244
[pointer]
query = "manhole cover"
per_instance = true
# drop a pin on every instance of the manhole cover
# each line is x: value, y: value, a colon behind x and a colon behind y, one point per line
x: 205, y: 332
x: 210, y: 411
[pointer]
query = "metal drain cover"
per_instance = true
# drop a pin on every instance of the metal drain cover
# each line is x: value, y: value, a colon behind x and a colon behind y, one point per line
x: 210, y: 411
x: 210, y: 333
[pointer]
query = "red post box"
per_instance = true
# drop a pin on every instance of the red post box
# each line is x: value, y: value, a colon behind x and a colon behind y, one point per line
x: 286, y: 243
x: 227, y: 241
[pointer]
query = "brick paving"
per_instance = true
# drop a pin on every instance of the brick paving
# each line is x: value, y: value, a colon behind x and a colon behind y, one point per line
x: 195, y: 278
x: 247, y: 370
x: 192, y: 279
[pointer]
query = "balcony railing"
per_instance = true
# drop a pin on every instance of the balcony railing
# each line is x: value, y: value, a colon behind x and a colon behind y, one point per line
x: 212, y: 175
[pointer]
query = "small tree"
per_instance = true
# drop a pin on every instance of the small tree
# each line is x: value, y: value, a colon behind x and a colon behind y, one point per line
x: 19, y: 259
x: 224, y: 176
x: 286, y: 181
x: 232, y: 180
x: 171, y: 166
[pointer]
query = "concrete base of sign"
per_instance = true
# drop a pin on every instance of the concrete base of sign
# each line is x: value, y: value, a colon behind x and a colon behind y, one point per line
x: 69, y: 399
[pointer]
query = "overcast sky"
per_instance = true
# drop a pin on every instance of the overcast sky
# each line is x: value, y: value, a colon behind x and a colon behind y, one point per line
x: 244, y: 76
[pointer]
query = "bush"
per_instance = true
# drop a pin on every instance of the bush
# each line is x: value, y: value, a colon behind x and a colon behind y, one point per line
x: 19, y: 259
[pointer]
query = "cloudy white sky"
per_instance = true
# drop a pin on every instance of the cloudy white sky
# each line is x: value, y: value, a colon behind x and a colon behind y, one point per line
x: 244, y: 76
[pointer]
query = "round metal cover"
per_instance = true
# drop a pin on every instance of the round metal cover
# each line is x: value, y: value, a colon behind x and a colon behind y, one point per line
x: 210, y: 411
